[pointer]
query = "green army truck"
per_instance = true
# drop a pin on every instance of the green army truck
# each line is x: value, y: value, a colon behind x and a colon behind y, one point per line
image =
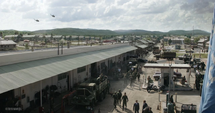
x: 91, y: 91
x: 156, y: 50
x: 166, y: 55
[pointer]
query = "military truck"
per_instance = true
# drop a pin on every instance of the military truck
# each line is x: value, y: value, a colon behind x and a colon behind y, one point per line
x: 184, y: 57
x: 196, y: 60
x: 91, y: 91
x: 166, y: 55
x: 156, y: 50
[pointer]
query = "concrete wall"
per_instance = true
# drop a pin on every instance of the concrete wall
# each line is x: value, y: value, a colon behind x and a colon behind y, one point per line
x: 11, y: 58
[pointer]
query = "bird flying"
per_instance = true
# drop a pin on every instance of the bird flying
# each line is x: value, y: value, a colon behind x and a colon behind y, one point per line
x: 36, y: 20
x: 52, y: 15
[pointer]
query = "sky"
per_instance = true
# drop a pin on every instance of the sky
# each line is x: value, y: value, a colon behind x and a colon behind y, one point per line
x: 152, y: 15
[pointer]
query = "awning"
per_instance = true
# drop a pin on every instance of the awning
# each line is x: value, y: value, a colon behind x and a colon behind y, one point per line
x: 17, y: 75
x: 141, y: 46
x: 179, y: 66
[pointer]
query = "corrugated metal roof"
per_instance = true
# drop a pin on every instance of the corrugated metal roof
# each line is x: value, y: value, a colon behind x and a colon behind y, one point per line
x: 143, y: 41
x: 28, y: 36
x: 21, y: 74
x: 142, y: 46
x: 7, y: 42
x: 57, y: 36
x: 10, y: 36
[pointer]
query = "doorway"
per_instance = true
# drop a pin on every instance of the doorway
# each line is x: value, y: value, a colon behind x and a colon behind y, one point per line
x: 93, y: 70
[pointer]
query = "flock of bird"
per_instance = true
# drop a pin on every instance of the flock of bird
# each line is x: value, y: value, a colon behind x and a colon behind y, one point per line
x: 37, y: 20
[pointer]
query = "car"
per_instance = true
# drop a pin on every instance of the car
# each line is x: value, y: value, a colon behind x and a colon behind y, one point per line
x: 157, y: 75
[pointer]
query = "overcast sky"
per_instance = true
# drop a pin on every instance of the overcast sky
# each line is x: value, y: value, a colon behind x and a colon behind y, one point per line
x: 153, y: 15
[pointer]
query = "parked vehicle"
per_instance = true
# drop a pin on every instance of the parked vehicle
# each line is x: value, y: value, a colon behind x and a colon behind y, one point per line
x: 185, y: 57
x: 91, y: 91
x: 151, y: 87
x: 154, y: 87
x: 156, y: 50
x: 166, y: 55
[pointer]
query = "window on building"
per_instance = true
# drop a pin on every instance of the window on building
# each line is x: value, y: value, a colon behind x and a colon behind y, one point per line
x: 81, y: 69
x: 62, y: 76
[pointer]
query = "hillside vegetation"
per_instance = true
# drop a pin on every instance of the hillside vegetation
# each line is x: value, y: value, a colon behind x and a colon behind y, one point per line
x: 97, y: 32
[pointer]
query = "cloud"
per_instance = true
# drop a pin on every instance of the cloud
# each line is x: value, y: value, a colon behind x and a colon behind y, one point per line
x: 152, y: 15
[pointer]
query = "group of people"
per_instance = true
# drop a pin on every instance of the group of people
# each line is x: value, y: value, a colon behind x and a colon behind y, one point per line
x: 118, y: 98
x: 145, y: 108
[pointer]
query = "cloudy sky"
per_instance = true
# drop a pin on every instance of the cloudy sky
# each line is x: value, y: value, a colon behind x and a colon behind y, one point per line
x: 153, y: 15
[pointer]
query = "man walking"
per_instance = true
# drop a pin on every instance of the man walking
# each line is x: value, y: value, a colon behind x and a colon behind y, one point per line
x: 115, y: 97
x: 136, y: 107
x: 119, y: 97
x: 124, y: 100
x: 138, y: 76
x: 145, y: 105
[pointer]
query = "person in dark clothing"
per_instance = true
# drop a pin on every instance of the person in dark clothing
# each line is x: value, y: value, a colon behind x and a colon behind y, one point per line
x: 115, y: 97
x: 138, y: 76
x: 150, y: 110
x: 136, y: 107
x: 124, y: 100
x: 145, y: 105
x: 171, y: 98
x: 119, y: 97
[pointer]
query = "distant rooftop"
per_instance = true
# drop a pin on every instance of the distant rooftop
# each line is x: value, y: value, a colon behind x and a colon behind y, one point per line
x: 7, y: 42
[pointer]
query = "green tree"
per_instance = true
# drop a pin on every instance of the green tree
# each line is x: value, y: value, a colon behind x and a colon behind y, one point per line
x: 196, y: 39
x: 188, y: 36
x: 26, y: 46
x: 187, y: 40
x: 16, y: 33
x: 1, y: 34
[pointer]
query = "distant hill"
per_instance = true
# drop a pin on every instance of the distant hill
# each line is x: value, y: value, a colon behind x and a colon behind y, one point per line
x: 195, y: 32
x: 138, y: 32
x: 173, y: 32
x: 97, y: 32
x: 13, y: 32
x: 75, y: 31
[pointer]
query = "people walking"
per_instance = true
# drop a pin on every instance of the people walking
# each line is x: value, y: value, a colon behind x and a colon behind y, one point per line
x: 115, y: 97
x: 136, y: 107
x: 138, y: 76
x: 119, y: 97
x: 145, y: 105
x: 124, y: 101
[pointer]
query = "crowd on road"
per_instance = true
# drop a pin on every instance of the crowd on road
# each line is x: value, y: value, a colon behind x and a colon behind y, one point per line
x: 119, y: 99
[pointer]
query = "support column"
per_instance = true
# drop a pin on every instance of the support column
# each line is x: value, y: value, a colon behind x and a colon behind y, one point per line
x: 20, y: 96
x: 188, y: 78
x: 41, y: 103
